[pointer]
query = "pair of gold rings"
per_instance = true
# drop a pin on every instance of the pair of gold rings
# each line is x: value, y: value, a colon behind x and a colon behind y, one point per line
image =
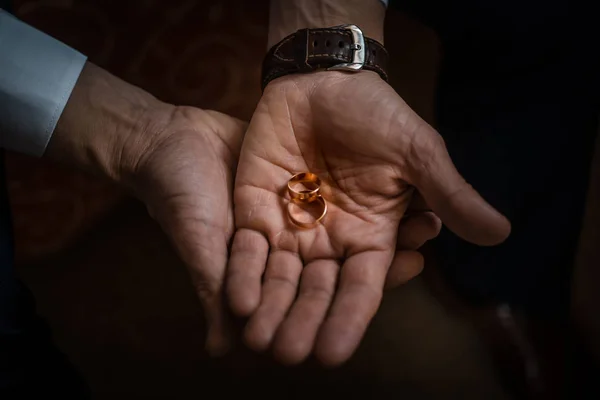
x: 303, y: 189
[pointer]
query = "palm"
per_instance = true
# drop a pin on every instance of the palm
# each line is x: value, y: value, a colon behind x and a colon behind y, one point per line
x: 186, y: 181
x: 366, y: 198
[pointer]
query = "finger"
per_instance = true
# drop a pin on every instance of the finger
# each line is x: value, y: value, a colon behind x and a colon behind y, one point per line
x: 244, y: 273
x: 296, y: 336
x: 208, y: 283
x: 406, y: 265
x: 417, y: 229
x: 218, y: 338
x: 413, y: 232
x: 278, y: 292
x: 204, y: 251
x: 458, y: 205
x: 357, y: 299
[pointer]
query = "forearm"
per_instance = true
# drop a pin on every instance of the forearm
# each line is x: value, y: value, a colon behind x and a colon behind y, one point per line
x: 105, y: 118
x: 54, y: 103
x: 287, y: 16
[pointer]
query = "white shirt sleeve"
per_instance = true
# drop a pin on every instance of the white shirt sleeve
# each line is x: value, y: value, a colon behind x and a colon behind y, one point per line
x: 37, y: 76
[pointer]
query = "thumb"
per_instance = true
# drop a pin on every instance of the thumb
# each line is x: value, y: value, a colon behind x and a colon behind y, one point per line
x: 457, y: 204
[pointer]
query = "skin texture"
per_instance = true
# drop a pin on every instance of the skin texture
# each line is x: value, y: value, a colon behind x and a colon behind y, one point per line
x: 316, y: 290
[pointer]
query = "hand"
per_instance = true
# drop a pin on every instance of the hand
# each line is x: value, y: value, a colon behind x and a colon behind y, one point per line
x: 317, y: 289
x: 186, y: 180
x: 179, y: 160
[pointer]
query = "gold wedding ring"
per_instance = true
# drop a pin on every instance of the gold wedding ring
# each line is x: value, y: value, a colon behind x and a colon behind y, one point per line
x: 308, y: 197
x: 309, y: 224
x: 307, y: 180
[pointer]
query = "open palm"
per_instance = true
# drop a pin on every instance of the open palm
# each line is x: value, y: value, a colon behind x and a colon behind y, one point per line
x: 318, y: 288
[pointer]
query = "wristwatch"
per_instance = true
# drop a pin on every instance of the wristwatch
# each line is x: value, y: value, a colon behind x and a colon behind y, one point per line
x: 340, y: 48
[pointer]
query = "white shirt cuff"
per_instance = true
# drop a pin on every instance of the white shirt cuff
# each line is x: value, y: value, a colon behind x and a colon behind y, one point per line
x: 37, y: 76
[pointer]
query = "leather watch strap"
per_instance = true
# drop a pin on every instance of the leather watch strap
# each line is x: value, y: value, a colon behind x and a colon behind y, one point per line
x: 308, y: 50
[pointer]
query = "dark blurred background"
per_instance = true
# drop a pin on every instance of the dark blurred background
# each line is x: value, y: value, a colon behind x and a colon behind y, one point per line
x: 119, y: 301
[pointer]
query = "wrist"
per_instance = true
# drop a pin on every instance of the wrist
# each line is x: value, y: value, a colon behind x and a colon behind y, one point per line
x: 288, y: 16
x: 107, y: 125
